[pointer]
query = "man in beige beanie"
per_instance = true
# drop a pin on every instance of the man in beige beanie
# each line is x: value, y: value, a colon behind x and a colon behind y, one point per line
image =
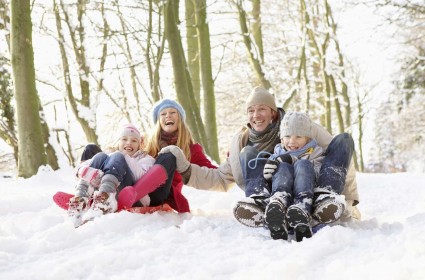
x: 261, y: 134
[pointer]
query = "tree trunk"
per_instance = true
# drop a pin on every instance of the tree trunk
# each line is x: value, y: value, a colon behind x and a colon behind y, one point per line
x: 256, y: 27
x: 360, y: 160
x: 52, y: 158
x: 7, y: 118
x: 182, y: 79
x: 153, y: 63
x: 32, y: 153
x: 253, y: 58
x: 193, y: 54
x: 207, y: 80
x: 133, y: 75
x: 89, y: 131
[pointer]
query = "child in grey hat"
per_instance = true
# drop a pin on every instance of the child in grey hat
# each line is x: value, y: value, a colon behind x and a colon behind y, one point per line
x: 292, y: 170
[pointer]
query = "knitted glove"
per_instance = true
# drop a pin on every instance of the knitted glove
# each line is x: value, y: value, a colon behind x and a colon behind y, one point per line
x: 270, y: 168
x: 285, y: 158
x: 90, y: 175
x: 182, y: 163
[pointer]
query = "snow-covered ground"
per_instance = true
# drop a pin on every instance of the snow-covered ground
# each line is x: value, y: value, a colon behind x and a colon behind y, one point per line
x: 37, y: 241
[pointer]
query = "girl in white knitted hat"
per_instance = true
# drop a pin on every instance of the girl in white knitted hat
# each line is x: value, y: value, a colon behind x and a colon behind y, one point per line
x: 108, y: 173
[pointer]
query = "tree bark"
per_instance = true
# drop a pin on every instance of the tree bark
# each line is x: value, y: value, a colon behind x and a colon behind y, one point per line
x: 253, y: 58
x: 193, y: 52
x: 182, y: 79
x: 256, y: 28
x: 32, y: 153
x: 207, y: 79
x: 88, y: 129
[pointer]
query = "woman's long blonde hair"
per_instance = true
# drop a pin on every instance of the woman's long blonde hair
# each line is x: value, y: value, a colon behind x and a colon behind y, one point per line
x: 184, y: 139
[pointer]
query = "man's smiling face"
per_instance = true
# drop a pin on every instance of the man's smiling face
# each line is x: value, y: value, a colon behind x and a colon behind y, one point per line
x: 259, y: 117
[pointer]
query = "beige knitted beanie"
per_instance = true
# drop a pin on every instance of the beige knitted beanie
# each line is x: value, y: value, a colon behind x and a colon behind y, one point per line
x: 261, y: 96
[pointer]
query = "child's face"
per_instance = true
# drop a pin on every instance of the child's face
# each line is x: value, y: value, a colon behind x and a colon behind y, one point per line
x: 259, y: 117
x: 168, y: 119
x: 128, y: 145
x: 293, y: 142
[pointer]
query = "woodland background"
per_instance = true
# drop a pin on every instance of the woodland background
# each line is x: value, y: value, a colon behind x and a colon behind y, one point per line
x: 71, y: 72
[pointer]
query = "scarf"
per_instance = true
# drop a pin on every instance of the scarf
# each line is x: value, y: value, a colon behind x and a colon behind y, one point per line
x: 306, y: 150
x: 168, y: 139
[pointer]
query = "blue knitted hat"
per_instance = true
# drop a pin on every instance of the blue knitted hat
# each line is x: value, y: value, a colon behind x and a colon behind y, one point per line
x: 167, y: 103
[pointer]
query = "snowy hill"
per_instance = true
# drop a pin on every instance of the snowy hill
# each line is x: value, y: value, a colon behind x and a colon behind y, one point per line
x: 38, y: 242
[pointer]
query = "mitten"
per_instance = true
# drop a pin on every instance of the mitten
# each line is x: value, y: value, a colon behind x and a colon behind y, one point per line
x: 91, y: 175
x: 182, y: 164
x: 270, y: 168
x: 285, y: 158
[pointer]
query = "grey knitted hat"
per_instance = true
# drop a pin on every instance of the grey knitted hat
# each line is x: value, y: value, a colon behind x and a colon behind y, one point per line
x: 261, y: 96
x: 295, y: 123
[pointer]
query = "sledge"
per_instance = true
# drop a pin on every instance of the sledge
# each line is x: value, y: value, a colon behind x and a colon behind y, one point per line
x: 61, y: 199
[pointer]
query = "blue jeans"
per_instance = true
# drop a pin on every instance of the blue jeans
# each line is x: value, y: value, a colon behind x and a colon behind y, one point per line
x: 255, y: 184
x: 296, y: 180
x: 335, y: 164
x: 115, y: 165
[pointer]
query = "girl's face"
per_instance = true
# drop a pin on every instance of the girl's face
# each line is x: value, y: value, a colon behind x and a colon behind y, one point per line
x: 128, y: 145
x: 293, y: 142
x: 260, y: 116
x: 169, y: 118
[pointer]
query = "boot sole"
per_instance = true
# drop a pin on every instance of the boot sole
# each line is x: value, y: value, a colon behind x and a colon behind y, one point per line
x: 275, y: 220
x: 328, y: 211
x: 295, y: 216
x: 249, y: 214
x: 302, y: 231
x: 300, y: 222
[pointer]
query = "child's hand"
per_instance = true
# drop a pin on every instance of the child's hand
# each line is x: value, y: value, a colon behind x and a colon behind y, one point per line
x: 270, y: 168
x: 285, y: 158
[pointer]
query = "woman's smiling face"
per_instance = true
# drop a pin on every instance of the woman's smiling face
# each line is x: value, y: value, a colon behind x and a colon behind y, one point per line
x: 169, y: 118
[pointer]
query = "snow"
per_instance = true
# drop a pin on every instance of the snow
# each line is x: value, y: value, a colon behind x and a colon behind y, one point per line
x: 38, y: 241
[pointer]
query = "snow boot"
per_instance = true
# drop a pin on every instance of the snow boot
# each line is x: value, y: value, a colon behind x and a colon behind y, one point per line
x: 103, y: 203
x: 299, y: 215
x: 249, y: 213
x: 299, y: 219
x: 262, y: 200
x: 155, y: 177
x: 76, y: 208
x: 275, y: 216
x: 328, y: 207
x: 104, y: 200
